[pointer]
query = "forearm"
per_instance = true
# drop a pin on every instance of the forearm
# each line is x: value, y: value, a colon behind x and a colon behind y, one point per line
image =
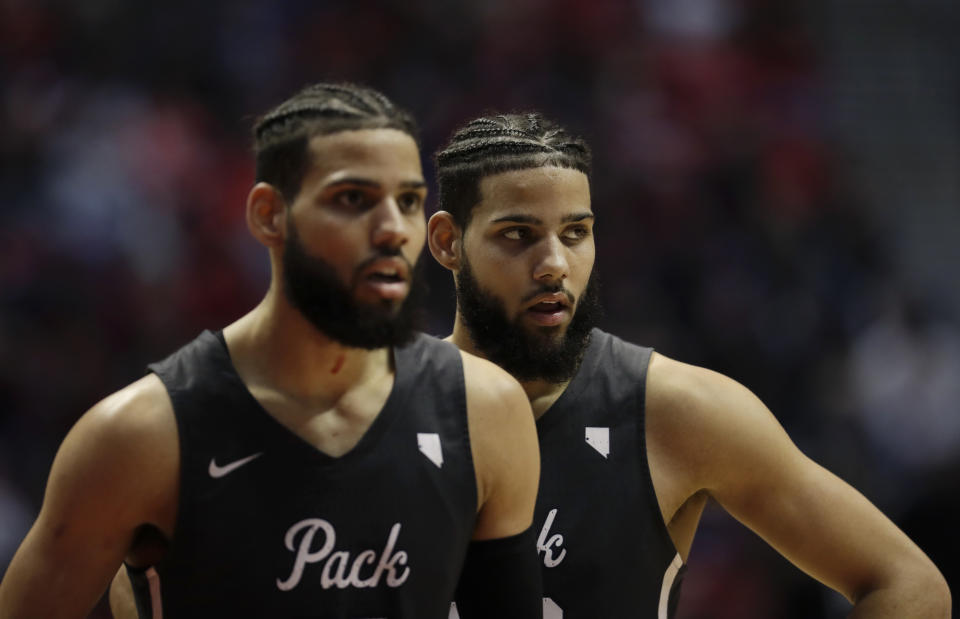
x: 61, y: 569
x: 27, y: 595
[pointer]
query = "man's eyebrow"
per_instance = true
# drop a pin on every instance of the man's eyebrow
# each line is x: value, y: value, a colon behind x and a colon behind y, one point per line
x: 366, y: 182
x: 536, y: 221
x: 518, y: 219
x: 413, y: 184
x: 354, y: 180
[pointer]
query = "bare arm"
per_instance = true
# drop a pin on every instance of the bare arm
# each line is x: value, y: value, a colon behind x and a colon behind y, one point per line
x: 501, y: 572
x: 707, y: 432
x: 115, y: 471
x: 506, y: 454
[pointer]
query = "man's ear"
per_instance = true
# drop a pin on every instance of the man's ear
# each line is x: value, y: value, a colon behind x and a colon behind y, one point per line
x: 266, y: 214
x: 444, y: 239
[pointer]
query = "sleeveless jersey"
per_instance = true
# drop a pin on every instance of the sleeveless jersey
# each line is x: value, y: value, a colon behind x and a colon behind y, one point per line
x: 268, y: 526
x: 602, y: 540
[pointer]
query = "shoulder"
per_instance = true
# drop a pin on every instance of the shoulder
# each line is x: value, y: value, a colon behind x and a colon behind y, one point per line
x: 708, y: 425
x: 114, y: 472
x: 691, y: 392
x: 692, y: 395
x: 490, y: 389
x: 481, y: 371
x: 124, y: 449
x: 499, y: 415
x: 503, y: 443
x: 141, y: 411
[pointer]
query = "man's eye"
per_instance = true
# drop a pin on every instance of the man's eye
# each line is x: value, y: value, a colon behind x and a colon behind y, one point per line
x: 409, y: 202
x: 576, y: 233
x: 516, y: 234
x: 352, y: 198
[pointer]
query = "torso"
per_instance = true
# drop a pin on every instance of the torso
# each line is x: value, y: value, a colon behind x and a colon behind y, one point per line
x: 277, y: 518
x: 333, y: 430
x: 605, y: 548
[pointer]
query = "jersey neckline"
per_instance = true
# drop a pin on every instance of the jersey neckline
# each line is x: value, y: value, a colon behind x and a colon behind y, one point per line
x: 368, y: 440
x: 581, y: 379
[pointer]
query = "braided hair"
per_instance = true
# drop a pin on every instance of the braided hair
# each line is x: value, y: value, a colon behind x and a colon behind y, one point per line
x: 282, y: 135
x: 501, y: 143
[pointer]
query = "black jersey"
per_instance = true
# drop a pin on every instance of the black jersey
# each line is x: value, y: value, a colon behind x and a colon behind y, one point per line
x: 268, y: 526
x: 604, y: 546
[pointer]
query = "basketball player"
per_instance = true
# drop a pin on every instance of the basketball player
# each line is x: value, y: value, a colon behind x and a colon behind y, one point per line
x: 316, y: 458
x: 633, y: 443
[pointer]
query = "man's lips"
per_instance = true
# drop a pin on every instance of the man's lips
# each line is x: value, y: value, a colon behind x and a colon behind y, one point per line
x: 388, y: 278
x: 549, y: 310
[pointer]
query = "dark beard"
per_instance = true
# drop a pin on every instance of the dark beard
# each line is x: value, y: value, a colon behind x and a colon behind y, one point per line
x: 527, y: 354
x: 314, y: 289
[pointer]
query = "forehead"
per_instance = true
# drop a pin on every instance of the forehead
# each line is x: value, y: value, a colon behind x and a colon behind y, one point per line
x: 385, y: 154
x: 548, y: 193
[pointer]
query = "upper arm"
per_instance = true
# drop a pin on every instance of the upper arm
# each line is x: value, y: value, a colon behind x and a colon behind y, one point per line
x: 720, y: 438
x: 506, y: 454
x: 116, y: 470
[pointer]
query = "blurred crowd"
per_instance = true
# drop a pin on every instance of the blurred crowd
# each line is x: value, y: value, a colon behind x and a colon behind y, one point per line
x: 729, y: 232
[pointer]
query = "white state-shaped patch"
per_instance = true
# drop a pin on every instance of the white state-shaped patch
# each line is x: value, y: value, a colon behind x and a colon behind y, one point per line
x: 429, y: 444
x: 599, y: 439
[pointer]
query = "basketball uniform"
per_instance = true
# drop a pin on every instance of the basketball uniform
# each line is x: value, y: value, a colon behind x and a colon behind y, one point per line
x: 268, y: 526
x: 601, y: 538
x: 604, y: 547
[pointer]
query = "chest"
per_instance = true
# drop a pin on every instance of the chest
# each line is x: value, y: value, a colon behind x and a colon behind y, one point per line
x: 600, y: 535
x: 332, y: 428
x: 266, y: 518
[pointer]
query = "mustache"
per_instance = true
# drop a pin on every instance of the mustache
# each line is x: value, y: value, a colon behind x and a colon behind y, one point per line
x: 548, y: 289
x: 385, y: 252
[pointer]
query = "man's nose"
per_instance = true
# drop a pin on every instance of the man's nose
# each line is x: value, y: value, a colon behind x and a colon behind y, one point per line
x: 552, y: 265
x: 390, y: 227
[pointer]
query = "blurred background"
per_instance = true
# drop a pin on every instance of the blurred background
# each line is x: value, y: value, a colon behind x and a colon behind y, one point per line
x: 776, y: 184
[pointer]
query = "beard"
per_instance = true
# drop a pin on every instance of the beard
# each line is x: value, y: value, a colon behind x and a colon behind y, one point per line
x: 539, y: 353
x: 312, y: 286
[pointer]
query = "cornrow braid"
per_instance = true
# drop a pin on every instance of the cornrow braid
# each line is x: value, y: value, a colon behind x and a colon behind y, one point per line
x: 501, y: 143
x: 282, y: 135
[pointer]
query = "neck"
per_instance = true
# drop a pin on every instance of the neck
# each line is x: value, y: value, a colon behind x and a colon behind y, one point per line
x: 542, y: 394
x: 275, y: 347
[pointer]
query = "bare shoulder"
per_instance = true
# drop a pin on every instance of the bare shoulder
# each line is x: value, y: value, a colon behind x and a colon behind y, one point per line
x: 116, y: 470
x: 490, y: 389
x: 498, y: 410
x: 488, y: 376
x: 136, y: 422
x: 704, y: 425
x: 689, y: 398
x: 141, y: 407
x: 126, y: 448
x: 503, y: 442
x: 676, y: 386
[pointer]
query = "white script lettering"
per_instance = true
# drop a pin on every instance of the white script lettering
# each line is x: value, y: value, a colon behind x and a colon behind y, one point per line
x: 546, y: 546
x: 339, y: 571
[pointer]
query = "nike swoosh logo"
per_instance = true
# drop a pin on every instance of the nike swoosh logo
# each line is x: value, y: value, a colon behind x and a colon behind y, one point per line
x: 219, y: 471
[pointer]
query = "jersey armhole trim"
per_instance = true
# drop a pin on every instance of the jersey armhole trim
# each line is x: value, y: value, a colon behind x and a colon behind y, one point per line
x: 654, y: 502
x: 462, y: 397
x: 666, y: 588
